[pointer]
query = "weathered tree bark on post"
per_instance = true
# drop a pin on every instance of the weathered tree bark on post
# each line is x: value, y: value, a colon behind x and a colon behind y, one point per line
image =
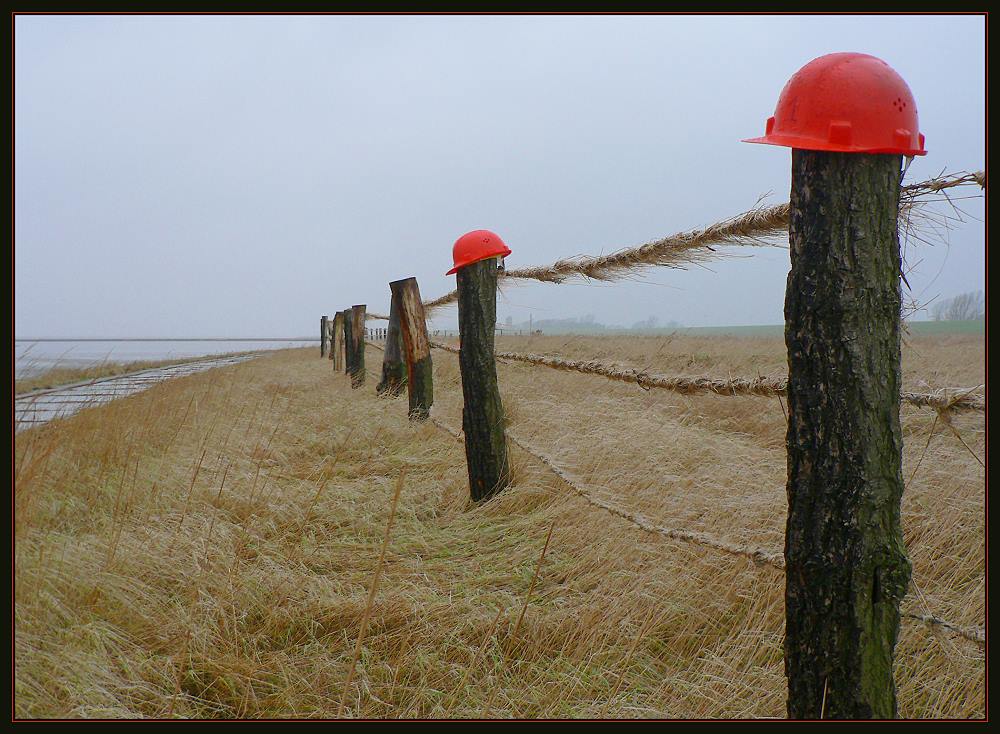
x: 416, y: 346
x: 348, y: 343
x: 357, y: 318
x: 846, y: 564
x: 337, y: 340
x: 482, y: 415
x: 393, y: 366
x: 322, y: 336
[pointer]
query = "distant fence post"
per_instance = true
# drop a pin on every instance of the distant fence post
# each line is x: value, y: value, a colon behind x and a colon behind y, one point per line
x: 416, y: 346
x: 393, y: 369
x: 348, y: 343
x: 356, y: 317
x: 322, y: 336
x: 483, y: 414
x: 337, y: 340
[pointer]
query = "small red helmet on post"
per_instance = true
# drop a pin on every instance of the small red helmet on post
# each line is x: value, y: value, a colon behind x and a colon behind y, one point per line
x: 847, y: 103
x: 477, y: 245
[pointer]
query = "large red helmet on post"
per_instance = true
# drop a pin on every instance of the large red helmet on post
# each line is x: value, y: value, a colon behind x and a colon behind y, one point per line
x: 847, y: 103
x: 474, y: 246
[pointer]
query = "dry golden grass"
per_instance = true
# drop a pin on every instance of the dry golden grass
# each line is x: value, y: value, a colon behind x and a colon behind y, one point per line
x: 217, y: 561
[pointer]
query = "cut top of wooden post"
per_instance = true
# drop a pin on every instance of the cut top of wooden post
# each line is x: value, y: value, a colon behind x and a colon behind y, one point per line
x: 416, y: 346
x: 411, y: 317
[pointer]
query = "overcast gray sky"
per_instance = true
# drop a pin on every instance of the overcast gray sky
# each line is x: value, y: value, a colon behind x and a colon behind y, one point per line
x: 222, y: 176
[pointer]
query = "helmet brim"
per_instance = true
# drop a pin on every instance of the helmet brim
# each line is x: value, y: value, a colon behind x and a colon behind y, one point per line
x: 473, y: 262
x: 791, y: 141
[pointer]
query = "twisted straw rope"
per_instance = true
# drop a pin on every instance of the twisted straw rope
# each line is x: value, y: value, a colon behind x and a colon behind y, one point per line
x: 752, y: 228
x: 760, y: 556
x: 945, y: 399
x: 975, y: 634
x: 940, y: 183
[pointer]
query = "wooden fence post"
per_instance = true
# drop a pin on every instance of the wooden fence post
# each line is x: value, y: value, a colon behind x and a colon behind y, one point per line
x: 348, y: 343
x: 322, y: 336
x: 416, y: 346
x: 356, y: 317
x: 482, y: 414
x: 337, y: 340
x: 846, y: 564
x: 393, y: 369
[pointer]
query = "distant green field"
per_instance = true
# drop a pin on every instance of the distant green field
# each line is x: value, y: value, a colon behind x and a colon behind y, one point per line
x: 759, y: 330
x: 920, y: 328
x: 948, y: 327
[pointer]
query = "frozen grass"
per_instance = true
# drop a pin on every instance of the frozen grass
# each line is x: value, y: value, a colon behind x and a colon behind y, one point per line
x: 207, y: 548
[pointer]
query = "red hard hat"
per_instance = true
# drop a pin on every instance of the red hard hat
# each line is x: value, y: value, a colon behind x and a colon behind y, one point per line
x: 847, y: 103
x: 474, y: 246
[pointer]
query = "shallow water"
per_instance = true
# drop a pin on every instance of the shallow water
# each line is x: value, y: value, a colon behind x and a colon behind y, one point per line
x: 35, y: 357
x: 41, y: 406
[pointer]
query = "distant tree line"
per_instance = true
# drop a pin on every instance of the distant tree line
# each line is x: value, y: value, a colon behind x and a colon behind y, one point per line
x: 588, y: 324
x: 965, y: 307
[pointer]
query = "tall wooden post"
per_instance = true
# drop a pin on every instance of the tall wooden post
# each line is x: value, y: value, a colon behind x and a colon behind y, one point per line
x: 482, y: 414
x: 357, y: 348
x: 348, y: 343
x: 846, y: 562
x: 393, y: 368
x: 416, y: 346
x: 322, y: 336
x: 337, y: 340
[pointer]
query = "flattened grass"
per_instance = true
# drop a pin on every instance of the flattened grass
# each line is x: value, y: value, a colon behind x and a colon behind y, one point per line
x: 206, y: 549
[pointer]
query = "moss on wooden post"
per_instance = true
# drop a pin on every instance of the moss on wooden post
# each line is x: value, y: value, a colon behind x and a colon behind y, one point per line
x: 393, y: 366
x: 482, y: 414
x: 416, y: 346
x: 357, y: 319
x: 846, y: 565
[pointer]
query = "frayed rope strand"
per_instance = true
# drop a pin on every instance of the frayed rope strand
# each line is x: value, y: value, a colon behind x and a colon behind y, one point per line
x: 760, y: 556
x: 945, y: 399
x: 756, y: 227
